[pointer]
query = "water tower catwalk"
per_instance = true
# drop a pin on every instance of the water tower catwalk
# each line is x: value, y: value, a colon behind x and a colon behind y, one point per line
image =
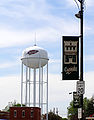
x: 34, y: 79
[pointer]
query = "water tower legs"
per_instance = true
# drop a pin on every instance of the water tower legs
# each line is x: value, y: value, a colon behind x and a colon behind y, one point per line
x: 47, y: 95
x: 26, y: 85
x: 21, y: 84
x: 42, y: 90
x: 29, y: 84
x: 34, y: 87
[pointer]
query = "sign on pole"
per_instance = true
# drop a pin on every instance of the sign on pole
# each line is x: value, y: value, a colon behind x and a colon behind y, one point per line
x: 70, y: 66
x: 80, y: 87
x: 79, y: 113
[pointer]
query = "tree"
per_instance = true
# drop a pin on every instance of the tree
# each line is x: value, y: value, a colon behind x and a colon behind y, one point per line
x: 72, y: 112
x: 52, y: 116
x: 12, y: 104
x: 64, y: 119
x: 88, y: 109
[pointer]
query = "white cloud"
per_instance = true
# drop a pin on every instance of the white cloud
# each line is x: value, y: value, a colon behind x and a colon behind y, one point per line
x: 10, y: 13
x: 51, y: 28
x: 7, y: 65
x: 71, y: 2
x: 89, y: 84
x: 22, y: 9
x: 54, y: 61
x: 89, y: 3
x: 89, y: 58
x: 58, y: 90
x: 88, y: 30
x: 10, y: 90
x: 14, y: 38
x: 10, y: 37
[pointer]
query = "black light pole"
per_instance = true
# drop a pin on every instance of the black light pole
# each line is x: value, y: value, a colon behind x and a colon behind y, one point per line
x: 81, y: 35
x: 80, y: 15
x: 81, y: 55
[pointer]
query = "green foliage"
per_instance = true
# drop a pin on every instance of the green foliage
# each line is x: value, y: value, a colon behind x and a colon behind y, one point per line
x: 18, y: 105
x: 88, y: 109
x: 71, y: 110
x: 12, y: 104
x: 52, y: 116
x: 64, y: 119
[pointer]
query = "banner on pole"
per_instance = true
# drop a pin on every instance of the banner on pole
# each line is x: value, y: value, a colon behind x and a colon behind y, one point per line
x: 70, y: 66
x: 76, y: 100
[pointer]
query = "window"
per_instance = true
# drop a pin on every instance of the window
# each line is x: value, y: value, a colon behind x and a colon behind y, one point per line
x: 70, y: 48
x: 74, y: 47
x: 23, y: 113
x: 32, y: 112
x: 66, y: 47
x: 74, y: 58
x: 66, y: 58
x: 15, y: 113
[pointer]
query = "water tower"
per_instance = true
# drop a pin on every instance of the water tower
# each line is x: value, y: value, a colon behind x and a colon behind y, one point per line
x: 34, y: 78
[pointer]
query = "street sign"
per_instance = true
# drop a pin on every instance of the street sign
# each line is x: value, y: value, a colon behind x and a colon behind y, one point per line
x: 80, y: 87
x: 76, y: 100
x: 79, y: 113
x: 70, y: 66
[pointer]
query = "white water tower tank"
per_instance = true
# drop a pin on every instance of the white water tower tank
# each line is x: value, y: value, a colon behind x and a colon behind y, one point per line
x: 32, y: 56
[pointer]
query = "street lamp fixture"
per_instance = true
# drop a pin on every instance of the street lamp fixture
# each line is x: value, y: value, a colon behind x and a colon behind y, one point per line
x: 78, y: 15
x: 70, y: 93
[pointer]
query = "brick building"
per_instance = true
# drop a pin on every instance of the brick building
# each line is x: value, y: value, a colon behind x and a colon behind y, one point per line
x: 4, y: 115
x: 25, y: 113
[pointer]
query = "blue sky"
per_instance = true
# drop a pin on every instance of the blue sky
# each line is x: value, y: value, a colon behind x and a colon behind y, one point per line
x: 50, y: 19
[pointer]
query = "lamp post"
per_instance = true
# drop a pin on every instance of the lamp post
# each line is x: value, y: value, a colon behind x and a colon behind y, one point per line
x: 80, y: 15
x: 93, y: 99
x: 81, y: 65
